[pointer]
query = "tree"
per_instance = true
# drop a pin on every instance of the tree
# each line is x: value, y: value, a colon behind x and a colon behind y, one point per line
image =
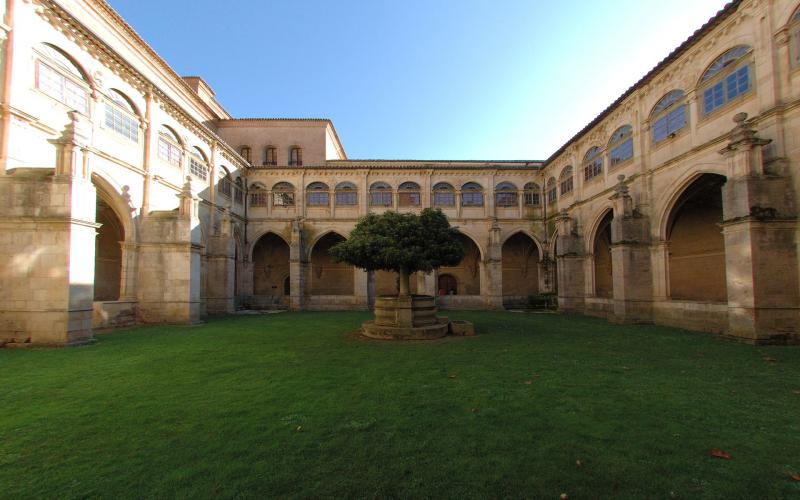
x: 402, y: 243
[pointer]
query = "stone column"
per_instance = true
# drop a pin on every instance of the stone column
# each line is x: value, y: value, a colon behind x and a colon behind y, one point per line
x: 494, y: 268
x: 47, y: 246
x: 221, y: 259
x: 170, y: 273
x: 630, y: 260
x: 570, y: 256
x: 361, y: 288
x: 297, y: 267
x: 759, y: 227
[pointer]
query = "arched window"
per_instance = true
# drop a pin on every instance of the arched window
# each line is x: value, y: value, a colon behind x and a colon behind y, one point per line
x: 552, y: 190
x: 726, y: 79
x: 668, y: 116
x: 295, y: 156
x: 505, y: 195
x: 471, y: 195
x: 271, y: 156
x: 258, y: 195
x: 169, y: 148
x: 246, y: 153
x: 794, y: 33
x: 408, y: 194
x: 565, y: 180
x: 620, y: 146
x: 444, y: 195
x: 380, y: 194
x: 283, y: 195
x: 198, y: 164
x: 121, y: 116
x: 317, y: 195
x: 346, y: 194
x: 60, y: 77
x: 224, y: 182
x: 238, y: 192
x: 531, y: 195
x: 592, y: 163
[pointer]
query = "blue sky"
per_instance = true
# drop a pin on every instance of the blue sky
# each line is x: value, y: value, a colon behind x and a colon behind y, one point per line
x: 435, y: 79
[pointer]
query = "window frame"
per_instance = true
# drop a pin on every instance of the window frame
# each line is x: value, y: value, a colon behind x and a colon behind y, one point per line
x: 531, y: 195
x: 198, y: 165
x: 794, y: 40
x: 126, y: 113
x: 379, y: 190
x: 443, y: 194
x: 721, y: 79
x: 345, y: 194
x: 621, y: 139
x: 593, y: 164
x: 472, y: 195
x: 66, y: 78
x: 283, y: 194
x: 318, y: 195
x: 506, y: 195
x: 295, y: 156
x: 667, y: 114
x: 409, y: 194
x: 166, y: 137
x: 566, y: 183
x: 552, y: 190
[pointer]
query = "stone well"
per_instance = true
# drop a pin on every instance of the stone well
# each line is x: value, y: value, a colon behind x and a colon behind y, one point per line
x: 410, y: 317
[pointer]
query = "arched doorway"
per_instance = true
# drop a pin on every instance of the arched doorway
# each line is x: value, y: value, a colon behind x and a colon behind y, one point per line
x: 108, y: 254
x: 270, y: 268
x: 603, y: 276
x: 467, y: 273
x: 329, y: 277
x: 520, y: 261
x: 448, y: 285
x: 696, y: 244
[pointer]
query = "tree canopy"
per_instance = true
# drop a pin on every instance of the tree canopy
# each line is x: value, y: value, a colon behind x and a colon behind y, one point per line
x: 403, y: 243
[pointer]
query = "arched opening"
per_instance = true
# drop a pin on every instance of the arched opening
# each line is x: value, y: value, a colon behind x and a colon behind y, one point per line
x: 329, y: 277
x: 448, y: 285
x: 108, y: 254
x: 695, y: 242
x: 467, y: 273
x: 520, y: 268
x: 603, y: 281
x: 270, y: 265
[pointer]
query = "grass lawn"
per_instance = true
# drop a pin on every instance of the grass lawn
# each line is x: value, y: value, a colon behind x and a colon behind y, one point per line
x: 292, y: 405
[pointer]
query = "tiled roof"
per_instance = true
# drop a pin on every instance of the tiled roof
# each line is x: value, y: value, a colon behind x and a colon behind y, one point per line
x: 720, y: 16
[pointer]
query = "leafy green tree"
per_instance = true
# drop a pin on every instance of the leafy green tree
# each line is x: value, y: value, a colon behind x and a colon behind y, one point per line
x: 402, y: 243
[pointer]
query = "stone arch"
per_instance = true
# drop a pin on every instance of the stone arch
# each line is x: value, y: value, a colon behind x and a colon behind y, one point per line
x: 669, y: 200
x: 467, y: 272
x: 114, y: 276
x: 249, y: 254
x: 521, y: 256
x: 695, y: 245
x: 328, y: 277
x: 270, y: 260
x: 539, y: 245
x: 602, y: 269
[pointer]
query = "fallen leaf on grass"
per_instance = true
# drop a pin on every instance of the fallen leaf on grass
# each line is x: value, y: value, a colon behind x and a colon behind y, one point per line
x: 796, y: 392
x: 716, y: 452
x: 564, y: 496
x: 299, y: 428
x: 528, y: 382
x: 770, y: 360
x: 795, y: 477
x: 578, y: 463
x: 475, y: 410
x: 451, y: 376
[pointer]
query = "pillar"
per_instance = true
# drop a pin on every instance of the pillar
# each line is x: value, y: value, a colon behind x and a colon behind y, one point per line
x: 570, y: 255
x: 298, y: 266
x: 493, y: 277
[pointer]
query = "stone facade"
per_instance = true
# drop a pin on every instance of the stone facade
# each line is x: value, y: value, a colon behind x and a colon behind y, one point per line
x: 130, y: 195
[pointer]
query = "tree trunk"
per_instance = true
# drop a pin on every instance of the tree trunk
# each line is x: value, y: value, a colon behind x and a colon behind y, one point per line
x: 404, y: 283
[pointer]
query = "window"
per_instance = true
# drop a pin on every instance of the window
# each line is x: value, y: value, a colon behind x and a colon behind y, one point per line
x: 346, y: 194
x: 380, y: 195
x: 727, y: 78
x: 620, y: 146
x: 198, y: 166
x: 271, y: 156
x: 505, y: 195
x: 58, y: 76
x: 408, y: 194
x: 317, y: 195
x: 121, y: 117
x: 565, y: 180
x: 531, y: 195
x: 224, y: 183
x: 444, y: 195
x: 592, y: 164
x: 668, y: 116
x: 246, y: 153
x: 295, y: 157
x: 471, y: 195
x: 552, y: 190
x: 238, y: 192
x: 794, y: 33
x: 258, y: 196
x: 169, y: 148
x: 283, y: 195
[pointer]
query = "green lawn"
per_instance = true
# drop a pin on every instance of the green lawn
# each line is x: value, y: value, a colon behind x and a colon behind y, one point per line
x: 294, y: 405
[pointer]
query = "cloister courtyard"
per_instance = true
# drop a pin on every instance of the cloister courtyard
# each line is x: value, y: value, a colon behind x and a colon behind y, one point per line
x: 297, y: 405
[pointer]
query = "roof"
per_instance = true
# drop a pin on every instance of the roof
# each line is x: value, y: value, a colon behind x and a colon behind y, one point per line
x: 719, y: 17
